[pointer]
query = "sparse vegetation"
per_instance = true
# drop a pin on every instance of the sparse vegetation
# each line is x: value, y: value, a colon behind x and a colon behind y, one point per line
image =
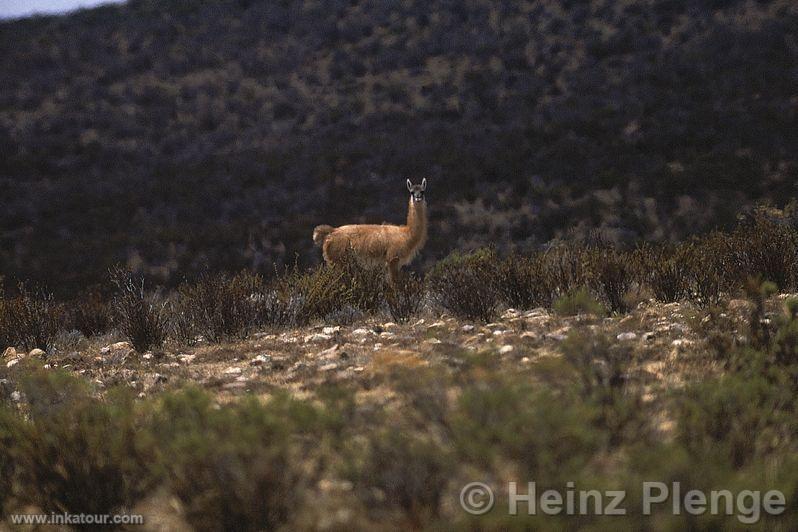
x: 140, y: 319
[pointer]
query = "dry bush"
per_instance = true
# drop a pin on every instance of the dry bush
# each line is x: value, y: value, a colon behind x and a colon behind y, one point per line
x: 523, y: 281
x: 91, y: 315
x: 219, y: 306
x: 30, y: 320
x: 611, y: 276
x: 405, y: 297
x: 465, y: 285
x: 139, y: 318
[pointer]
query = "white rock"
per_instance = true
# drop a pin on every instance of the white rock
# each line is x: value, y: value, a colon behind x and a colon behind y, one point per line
x: 361, y: 332
x: 232, y: 370
x: 377, y: 346
x: 388, y: 325
x: 498, y: 332
x: 318, y: 337
x: 328, y: 367
x: 525, y: 360
x: 387, y: 334
x: 358, y: 369
x: 187, y: 359
x: 12, y: 363
x: 503, y: 350
x: 16, y: 396
x: 330, y: 330
x: 437, y: 324
x: 260, y: 360
x: 467, y: 328
x: 37, y: 353
x: 10, y: 352
x: 147, y: 356
x: 626, y: 336
x: 510, y: 313
x: 327, y: 353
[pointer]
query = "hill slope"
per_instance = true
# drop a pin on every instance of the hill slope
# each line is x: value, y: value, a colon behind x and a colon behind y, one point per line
x: 171, y: 135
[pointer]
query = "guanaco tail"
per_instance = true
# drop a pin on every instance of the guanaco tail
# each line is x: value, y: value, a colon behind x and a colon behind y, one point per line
x: 391, y: 246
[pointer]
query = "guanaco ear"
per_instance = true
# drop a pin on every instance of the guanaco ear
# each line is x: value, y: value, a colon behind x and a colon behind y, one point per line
x: 424, y: 184
x: 409, y: 186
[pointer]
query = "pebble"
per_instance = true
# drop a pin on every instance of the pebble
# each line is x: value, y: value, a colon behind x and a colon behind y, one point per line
x: 12, y: 363
x: 328, y: 367
x: 232, y: 370
x: 467, y: 328
x: 331, y: 330
x: 16, y: 396
x: 503, y: 350
x: 147, y: 356
x: 626, y: 336
x: 187, y: 359
x: 361, y: 332
x: 37, y: 353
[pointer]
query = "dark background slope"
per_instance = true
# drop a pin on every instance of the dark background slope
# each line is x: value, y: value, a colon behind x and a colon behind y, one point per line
x: 174, y: 136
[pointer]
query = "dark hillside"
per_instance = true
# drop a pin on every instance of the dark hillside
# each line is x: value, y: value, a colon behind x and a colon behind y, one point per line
x: 171, y: 136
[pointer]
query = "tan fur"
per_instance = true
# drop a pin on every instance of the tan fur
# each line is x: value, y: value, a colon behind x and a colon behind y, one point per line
x: 392, y: 246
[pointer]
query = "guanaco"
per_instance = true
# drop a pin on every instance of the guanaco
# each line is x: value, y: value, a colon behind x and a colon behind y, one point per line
x: 391, y: 246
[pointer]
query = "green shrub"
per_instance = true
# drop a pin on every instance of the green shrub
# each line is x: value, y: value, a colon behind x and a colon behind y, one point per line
x: 8, y: 432
x: 578, y: 301
x: 77, y: 454
x: 550, y: 436
x: 741, y: 417
x: 465, y: 284
x: 411, y: 471
x: 234, y: 467
x: 142, y: 321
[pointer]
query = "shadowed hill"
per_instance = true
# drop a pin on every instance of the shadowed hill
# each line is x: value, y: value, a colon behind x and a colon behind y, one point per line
x: 171, y: 136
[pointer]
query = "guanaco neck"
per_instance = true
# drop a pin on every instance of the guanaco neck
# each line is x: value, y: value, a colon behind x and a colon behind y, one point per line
x: 417, y: 222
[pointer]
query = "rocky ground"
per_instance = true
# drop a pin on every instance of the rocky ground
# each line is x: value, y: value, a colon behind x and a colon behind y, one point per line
x: 664, y: 345
x: 660, y: 337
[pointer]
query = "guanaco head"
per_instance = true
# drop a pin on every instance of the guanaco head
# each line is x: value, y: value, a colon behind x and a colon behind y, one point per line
x: 417, y: 191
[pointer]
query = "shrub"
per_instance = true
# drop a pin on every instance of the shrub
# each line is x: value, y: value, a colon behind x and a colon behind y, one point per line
x: 77, y: 454
x: 366, y: 284
x: 551, y: 437
x: 579, y: 301
x: 233, y: 467
x: 405, y: 297
x: 465, y: 284
x: 8, y: 430
x: 220, y: 306
x: 141, y: 321
x: 766, y: 248
x: 740, y: 416
x: 565, y: 267
x: 91, y: 315
x: 611, y: 275
x: 665, y: 270
x: 313, y: 294
x: 30, y: 320
x: 524, y: 282
x: 410, y: 470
